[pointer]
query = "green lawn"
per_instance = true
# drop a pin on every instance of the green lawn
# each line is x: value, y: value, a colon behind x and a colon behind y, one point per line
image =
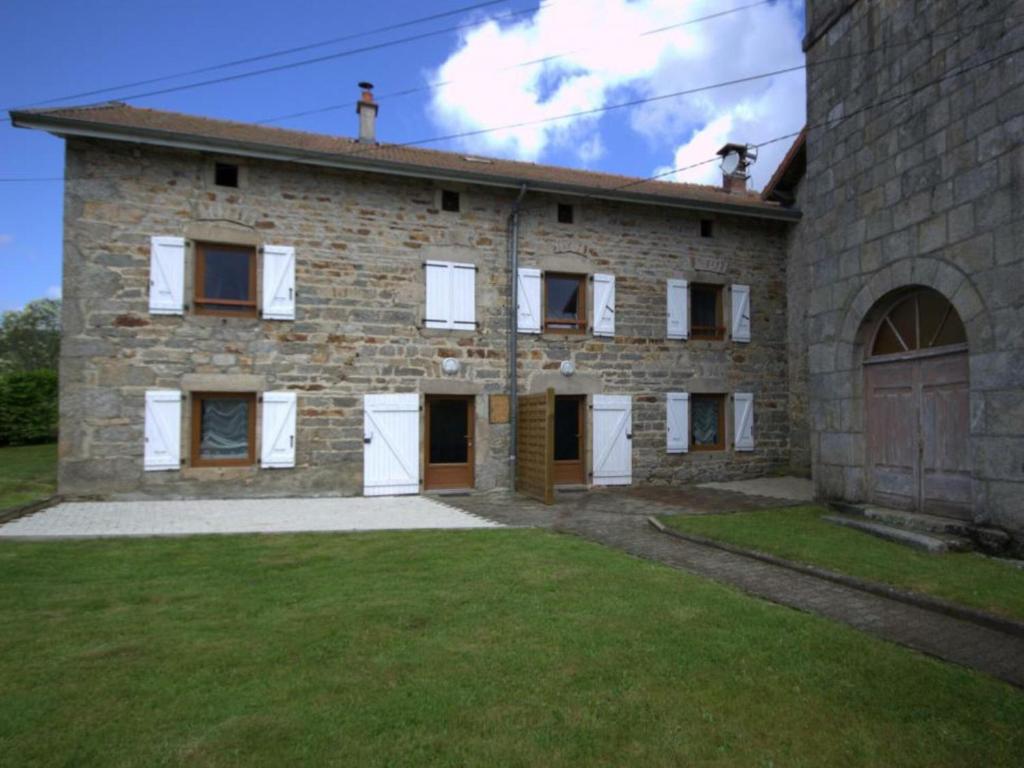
x: 27, y: 473
x: 511, y: 648
x: 799, y: 533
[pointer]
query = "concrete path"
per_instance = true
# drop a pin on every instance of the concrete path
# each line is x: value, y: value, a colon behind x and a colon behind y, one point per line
x: 618, y: 519
x: 186, y: 517
x: 790, y: 488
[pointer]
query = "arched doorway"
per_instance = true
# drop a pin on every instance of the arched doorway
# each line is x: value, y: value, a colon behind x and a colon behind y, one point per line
x: 916, y: 404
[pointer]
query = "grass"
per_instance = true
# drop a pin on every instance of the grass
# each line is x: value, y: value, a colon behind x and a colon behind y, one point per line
x: 27, y: 473
x: 799, y: 533
x: 512, y: 648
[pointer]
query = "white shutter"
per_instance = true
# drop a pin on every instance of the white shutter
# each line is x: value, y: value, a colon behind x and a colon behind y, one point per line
x: 163, y: 430
x: 463, y: 278
x: 613, y: 439
x: 451, y: 295
x: 743, y: 421
x: 678, y: 301
x: 166, y: 275
x: 528, y: 308
x: 677, y: 422
x: 277, y: 436
x: 391, y: 444
x: 741, y: 313
x: 439, y: 292
x: 604, y: 305
x: 278, y: 282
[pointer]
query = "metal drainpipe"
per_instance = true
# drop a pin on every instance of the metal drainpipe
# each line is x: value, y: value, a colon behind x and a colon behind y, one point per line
x: 513, y: 334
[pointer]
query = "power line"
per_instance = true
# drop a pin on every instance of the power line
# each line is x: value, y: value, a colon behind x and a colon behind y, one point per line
x: 517, y: 65
x: 328, y: 57
x: 270, y: 55
x: 635, y: 102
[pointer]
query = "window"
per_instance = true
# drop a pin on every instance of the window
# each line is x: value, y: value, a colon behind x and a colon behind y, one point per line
x: 565, y: 213
x: 707, y: 422
x: 225, y: 174
x: 565, y: 302
x: 223, y: 429
x: 706, y: 311
x: 225, y: 280
x: 922, y: 321
x: 707, y: 228
x: 449, y: 201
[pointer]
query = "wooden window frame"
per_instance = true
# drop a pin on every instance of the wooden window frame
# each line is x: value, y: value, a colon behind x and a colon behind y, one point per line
x: 703, y: 332
x: 205, y: 305
x: 720, y: 445
x: 555, y: 325
x: 197, y: 415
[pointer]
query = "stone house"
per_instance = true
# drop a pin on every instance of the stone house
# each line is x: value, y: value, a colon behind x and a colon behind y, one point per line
x: 906, y: 273
x: 249, y: 310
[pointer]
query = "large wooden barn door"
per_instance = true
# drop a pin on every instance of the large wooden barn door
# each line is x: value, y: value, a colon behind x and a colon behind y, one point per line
x: 535, y: 435
x: 916, y: 398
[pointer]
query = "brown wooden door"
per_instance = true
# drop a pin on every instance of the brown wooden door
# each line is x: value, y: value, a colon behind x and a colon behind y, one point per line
x: 917, y: 433
x: 449, y: 442
x: 569, y: 440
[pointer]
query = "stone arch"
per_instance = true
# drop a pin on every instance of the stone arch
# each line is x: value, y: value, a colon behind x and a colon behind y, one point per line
x: 925, y: 272
x: 855, y: 330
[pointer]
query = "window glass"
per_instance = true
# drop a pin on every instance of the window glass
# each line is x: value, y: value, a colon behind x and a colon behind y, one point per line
x: 951, y: 332
x: 225, y: 175
x: 449, y: 201
x: 567, y: 429
x: 449, y: 431
x: 562, y: 305
x: 705, y: 311
x: 224, y: 428
x: 565, y: 213
x: 225, y: 279
x: 707, y: 422
x: 904, y: 319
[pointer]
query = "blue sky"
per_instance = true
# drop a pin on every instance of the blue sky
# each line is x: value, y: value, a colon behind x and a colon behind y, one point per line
x: 606, y: 53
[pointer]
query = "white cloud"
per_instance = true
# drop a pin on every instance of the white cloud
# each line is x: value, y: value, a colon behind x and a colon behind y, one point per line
x: 612, y: 62
x: 6, y: 240
x: 53, y: 292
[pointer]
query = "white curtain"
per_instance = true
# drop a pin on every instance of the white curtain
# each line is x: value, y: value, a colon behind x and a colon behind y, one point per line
x: 225, y: 429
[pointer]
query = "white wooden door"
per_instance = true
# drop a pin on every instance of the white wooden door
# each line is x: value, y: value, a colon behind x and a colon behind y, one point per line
x: 613, y: 440
x: 391, y: 443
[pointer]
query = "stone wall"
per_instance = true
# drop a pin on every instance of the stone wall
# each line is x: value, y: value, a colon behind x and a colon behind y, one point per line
x: 797, y: 299
x: 923, y: 190
x: 360, y: 241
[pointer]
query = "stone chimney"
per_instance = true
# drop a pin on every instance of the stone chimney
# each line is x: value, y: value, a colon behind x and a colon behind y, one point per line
x: 367, y: 108
x: 736, y: 159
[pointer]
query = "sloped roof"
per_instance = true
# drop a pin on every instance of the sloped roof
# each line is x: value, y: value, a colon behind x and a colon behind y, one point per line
x: 119, y: 121
x: 789, y: 173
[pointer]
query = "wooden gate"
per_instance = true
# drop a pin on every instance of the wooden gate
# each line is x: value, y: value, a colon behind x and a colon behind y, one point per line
x: 917, y: 434
x: 535, y: 435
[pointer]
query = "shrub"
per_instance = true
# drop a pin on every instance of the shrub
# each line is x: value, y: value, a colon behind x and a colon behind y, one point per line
x: 28, y: 407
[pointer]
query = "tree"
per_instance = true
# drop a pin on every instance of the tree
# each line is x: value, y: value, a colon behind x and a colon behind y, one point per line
x: 30, y: 338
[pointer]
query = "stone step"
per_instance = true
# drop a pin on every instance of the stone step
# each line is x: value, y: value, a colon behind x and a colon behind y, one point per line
x: 917, y: 521
x: 933, y: 543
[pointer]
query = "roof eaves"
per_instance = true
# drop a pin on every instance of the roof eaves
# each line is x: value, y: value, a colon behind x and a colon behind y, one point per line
x: 62, y: 125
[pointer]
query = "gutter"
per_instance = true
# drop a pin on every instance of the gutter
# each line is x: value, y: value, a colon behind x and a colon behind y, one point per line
x: 64, y: 127
x: 513, y: 336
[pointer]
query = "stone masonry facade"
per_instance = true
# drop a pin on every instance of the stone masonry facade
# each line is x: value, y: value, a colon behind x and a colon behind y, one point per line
x: 915, y: 171
x: 360, y: 241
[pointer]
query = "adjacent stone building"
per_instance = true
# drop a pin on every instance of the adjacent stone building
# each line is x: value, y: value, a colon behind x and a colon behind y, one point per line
x: 250, y: 310
x: 908, y: 264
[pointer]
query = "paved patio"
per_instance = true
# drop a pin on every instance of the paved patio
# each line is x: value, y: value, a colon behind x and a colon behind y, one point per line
x: 188, y: 517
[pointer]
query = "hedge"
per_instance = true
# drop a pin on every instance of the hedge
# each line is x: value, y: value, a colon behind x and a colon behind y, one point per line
x: 28, y: 407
